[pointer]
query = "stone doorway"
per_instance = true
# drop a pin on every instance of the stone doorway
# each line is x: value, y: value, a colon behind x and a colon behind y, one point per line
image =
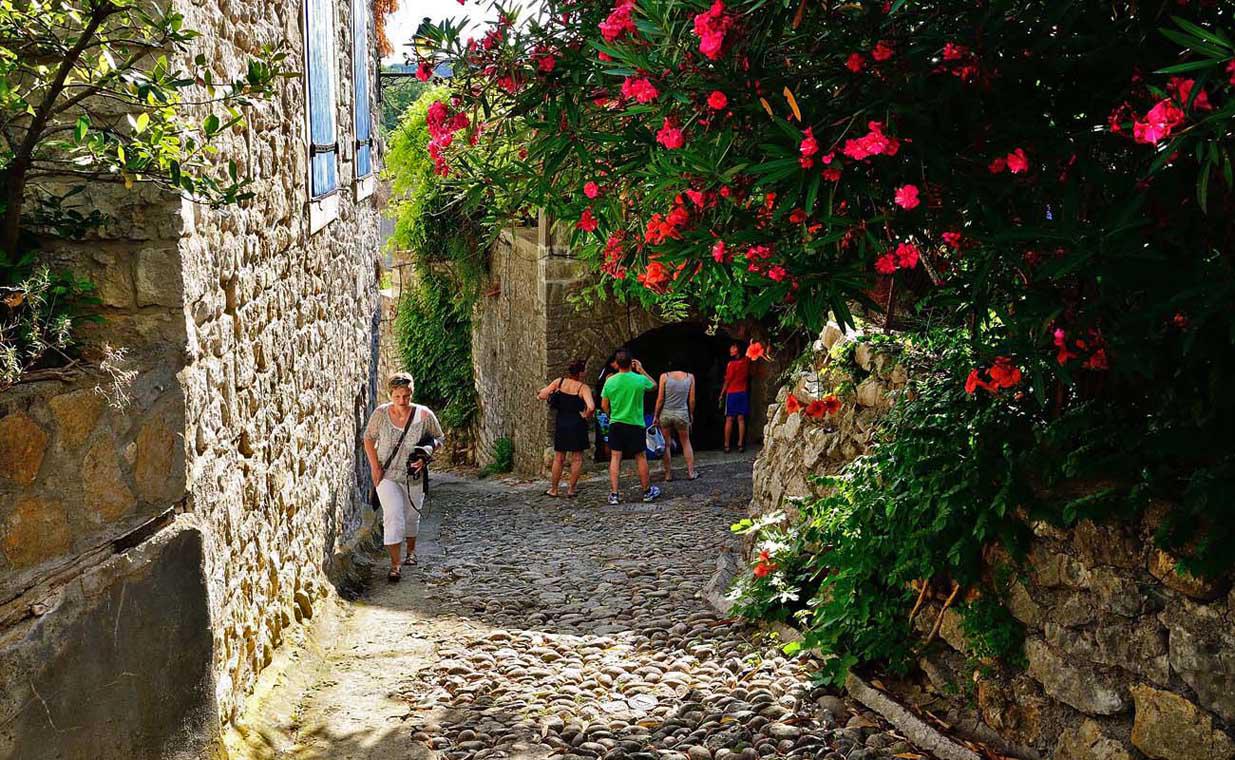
x: 703, y: 355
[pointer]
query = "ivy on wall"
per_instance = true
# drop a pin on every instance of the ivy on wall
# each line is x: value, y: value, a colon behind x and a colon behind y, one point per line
x: 434, y: 332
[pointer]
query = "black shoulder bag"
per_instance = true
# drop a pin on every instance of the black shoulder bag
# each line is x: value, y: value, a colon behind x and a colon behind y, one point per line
x: 374, y: 501
x: 555, y: 398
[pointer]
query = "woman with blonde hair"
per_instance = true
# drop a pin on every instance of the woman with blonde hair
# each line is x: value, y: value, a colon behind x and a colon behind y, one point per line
x: 399, y: 441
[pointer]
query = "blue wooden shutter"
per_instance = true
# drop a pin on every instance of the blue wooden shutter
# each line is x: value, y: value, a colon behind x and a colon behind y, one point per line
x: 323, y: 132
x: 360, y: 72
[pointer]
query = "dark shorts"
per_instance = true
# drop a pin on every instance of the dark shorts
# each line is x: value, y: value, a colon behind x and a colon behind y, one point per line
x: 628, y: 439
x: 737, y: 404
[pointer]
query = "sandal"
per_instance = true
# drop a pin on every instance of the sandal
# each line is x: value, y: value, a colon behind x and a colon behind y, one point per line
x: 410, y: 559
x: 571, y: 494
x: 552, y: 494
x: 694, y: 476
x: 393, y: 576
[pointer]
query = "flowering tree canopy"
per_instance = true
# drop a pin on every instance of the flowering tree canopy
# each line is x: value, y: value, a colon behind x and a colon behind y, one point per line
x: 1052, y: 178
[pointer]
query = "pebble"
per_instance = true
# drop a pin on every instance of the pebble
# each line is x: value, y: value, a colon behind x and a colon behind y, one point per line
x: 561, y: 633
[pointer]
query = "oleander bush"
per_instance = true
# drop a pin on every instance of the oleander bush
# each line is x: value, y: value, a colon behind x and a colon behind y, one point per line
x: 1035, y: 195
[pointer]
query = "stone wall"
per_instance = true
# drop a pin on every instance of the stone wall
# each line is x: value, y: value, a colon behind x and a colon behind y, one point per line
x: 1125, y: 658
x: 796, y: 447
x: 230, y: 476
x: 281, y: 358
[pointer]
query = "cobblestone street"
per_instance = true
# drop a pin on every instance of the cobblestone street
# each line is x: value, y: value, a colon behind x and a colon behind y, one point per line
x: 566, y: 629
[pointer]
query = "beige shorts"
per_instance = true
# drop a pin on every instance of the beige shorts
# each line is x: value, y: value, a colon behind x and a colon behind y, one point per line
x: 674, y: 422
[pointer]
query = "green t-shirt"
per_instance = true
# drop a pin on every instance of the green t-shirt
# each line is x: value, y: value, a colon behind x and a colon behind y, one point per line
x: 625, y: 393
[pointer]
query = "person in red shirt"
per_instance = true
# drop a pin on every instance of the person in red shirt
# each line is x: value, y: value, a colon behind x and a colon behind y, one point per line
x: 735, y: 394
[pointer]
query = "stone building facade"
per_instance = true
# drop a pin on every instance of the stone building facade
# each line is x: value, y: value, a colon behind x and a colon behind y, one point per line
x: 529, y: 326
x: 156, y: 551
x: 1124, y: 657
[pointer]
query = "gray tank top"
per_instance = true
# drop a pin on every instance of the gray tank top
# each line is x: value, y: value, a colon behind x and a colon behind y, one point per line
x: 677, y: 395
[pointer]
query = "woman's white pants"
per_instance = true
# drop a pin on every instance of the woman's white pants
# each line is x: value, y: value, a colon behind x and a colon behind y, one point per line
x: 400, y: 518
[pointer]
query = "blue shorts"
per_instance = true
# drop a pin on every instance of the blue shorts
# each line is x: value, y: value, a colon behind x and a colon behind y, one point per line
x: 737, y: 404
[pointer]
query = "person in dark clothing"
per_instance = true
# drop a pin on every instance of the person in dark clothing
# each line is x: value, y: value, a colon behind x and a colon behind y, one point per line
x: 574, y: 407
x: 602, y: 446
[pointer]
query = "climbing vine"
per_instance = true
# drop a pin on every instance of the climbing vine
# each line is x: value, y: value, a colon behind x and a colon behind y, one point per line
x: 434, y: 334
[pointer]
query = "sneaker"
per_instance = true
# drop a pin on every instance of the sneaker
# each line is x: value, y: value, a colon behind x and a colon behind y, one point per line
x: 651, y: 494
x: 615, y: 499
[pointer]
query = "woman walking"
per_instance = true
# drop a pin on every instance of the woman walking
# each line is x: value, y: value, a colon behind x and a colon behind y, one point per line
x: 397, y: 438
x: 675, y: 409
x: 573, y: 400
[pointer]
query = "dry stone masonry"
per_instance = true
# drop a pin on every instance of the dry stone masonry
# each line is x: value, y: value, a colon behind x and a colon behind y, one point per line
x: 181, y: 532
x: 1125, y: 657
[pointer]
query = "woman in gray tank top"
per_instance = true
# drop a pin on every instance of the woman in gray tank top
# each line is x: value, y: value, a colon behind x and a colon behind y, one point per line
x: 675, y: 408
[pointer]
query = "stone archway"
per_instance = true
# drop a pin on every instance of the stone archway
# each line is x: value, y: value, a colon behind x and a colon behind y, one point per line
x: 699, y: 353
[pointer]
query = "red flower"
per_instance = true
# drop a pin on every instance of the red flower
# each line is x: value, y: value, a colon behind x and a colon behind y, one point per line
x: 640, y: 89
x: 758, y: 253
x: 831, y: 175
x: 586, y: 222
x: 855, y: 62
x: 1004, y: 374
x: 885, y: 264
x: 998, y: 165
x: 670, y: 136
x: 1063, y: 355
x: 1230, y: 69
x: 954, y: 52
x: 1158, y: 123
x: 797, y: 216
x: 777, y: 273
x: 882, y: 51
x: 974, y: 381
x: 792, y: 404
x: 697, y: 197
x: 547, y: 64
x: 816, y: 409
x: 907, y: 197
x: 1181, y: 90
x: 719, y: 254
x: 873, y: 143
x: 1097, y: 360
x: 755, y: 351
x: 809, y: 146
x: 710, y: 27
x: 762, y: 569
x: 619, y: 21
x: 591, y: 189
x: 717, y: 101
x: 907, y: 255
x: 655, y: 277
x: 831, y: 403
x: 1017, y: 162
x: 953, y: 239
x: 424, y: 71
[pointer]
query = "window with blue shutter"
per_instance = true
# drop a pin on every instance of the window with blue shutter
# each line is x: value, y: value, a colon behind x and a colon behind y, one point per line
x: 360, y: 72
x: 323, y: 132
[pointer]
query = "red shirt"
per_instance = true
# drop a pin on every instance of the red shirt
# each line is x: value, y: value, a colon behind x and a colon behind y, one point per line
x: 737, y: 376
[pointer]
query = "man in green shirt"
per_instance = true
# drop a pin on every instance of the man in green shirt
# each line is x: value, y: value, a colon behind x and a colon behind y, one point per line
x: 622, y: 400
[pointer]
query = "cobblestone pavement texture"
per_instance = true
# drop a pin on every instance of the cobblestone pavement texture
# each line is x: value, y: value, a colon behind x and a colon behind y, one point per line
x: 550, y: 629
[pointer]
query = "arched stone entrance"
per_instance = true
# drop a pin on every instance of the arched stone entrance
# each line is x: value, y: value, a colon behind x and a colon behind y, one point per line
x: 699, y: 353
x: 529, y: 326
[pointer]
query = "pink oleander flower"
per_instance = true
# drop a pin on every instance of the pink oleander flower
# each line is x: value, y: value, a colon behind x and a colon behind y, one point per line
x: 809, y: 146
x: 907, y: 197
x: 670, y: 136
x: 1158, y: 123
x: 855, y: 62
x: 591, y: 189
x: 882, y: 51
x: 711, y: 27
x: 586, y: 222
x: 717, y: 101
x: 640, y: 89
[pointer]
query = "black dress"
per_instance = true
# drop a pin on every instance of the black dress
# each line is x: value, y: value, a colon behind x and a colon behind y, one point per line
x: 570, y: 431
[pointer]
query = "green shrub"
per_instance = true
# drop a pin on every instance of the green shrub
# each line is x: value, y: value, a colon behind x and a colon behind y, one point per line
x: 503, y: 458
x: 434, y: 334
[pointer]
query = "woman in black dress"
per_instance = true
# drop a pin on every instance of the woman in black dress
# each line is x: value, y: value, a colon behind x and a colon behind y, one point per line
x: 573, y: 400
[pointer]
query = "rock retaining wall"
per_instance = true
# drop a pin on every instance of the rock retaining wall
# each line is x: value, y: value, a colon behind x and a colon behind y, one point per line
x: 1125, y: 658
